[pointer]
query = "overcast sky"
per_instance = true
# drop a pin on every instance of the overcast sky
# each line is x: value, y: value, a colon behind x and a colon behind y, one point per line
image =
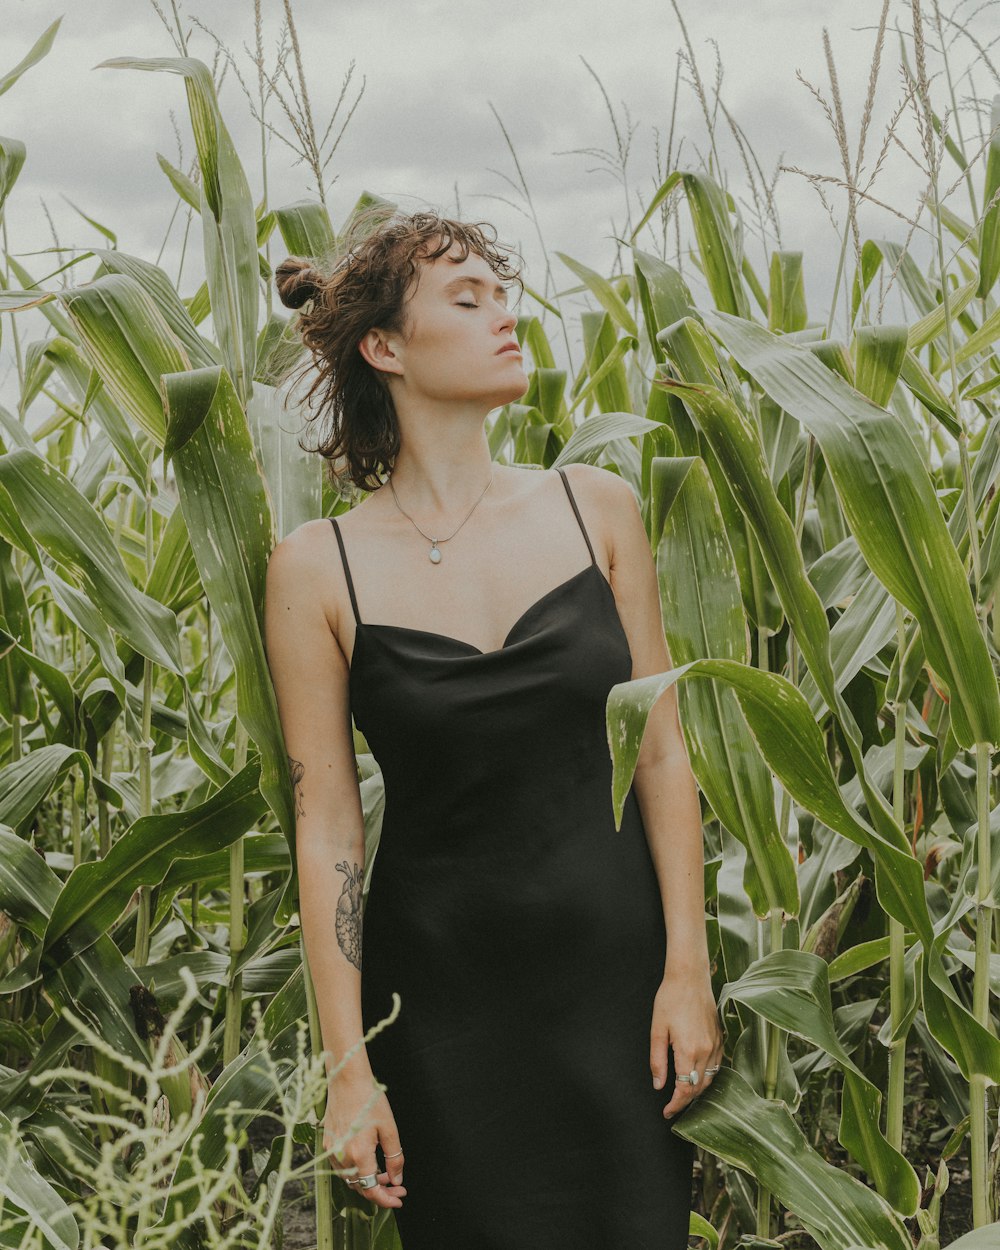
x: 439, y: 79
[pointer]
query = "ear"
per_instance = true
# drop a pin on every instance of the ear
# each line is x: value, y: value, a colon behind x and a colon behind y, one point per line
x: 378, y: 349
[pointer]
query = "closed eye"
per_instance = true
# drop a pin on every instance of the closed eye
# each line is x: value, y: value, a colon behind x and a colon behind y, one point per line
x: 464, y: 304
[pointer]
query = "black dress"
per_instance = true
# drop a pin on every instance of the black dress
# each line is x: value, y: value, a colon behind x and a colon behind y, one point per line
x: 524, y: 935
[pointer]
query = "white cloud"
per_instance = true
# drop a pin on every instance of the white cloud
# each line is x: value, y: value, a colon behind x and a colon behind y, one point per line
x: 425, y: 130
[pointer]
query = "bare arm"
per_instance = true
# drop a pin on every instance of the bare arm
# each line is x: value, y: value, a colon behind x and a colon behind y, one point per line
x: 310, y: 678
x: 685, y: 1018
x: 664, y: 785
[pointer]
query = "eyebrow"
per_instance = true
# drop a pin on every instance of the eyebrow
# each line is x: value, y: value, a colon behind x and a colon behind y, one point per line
x: 470, y: 280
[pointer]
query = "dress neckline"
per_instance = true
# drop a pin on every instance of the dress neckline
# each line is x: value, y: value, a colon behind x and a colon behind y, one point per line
x: 362, y: 626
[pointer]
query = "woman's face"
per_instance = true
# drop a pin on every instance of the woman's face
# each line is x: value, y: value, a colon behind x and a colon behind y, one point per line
x: 459, y: 322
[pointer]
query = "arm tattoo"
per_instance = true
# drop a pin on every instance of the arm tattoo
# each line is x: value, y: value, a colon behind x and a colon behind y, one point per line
x: 297, y: 769
x: 349, y: 912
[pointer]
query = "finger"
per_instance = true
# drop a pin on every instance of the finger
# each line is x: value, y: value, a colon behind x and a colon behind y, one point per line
x: 659, y: 1061
x: 392, y: 1154
x: 714, y: 1062
x: 684, y: 1091
x: 389, y: 1187
x: 675, y: 1089
x: 384, y: 1194
x: 380, y: 1196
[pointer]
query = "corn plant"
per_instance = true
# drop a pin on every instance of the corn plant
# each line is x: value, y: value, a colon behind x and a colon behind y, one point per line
x: 819, y: 495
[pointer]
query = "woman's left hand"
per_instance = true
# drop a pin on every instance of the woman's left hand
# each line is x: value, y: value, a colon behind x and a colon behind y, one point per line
x: 685, y: 1016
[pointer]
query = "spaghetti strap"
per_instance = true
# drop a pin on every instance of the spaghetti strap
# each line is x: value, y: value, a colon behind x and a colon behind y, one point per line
x: 593, y: 558
x: 347, y: 568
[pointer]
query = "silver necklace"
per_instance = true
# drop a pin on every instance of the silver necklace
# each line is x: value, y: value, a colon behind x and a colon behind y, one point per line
x: 435, y: 554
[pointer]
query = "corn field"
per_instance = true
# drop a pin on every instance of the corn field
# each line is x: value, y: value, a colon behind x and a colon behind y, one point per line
x: 819, y: 492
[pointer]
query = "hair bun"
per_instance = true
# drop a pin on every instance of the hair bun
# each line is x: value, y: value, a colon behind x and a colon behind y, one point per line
x: 297, y: 281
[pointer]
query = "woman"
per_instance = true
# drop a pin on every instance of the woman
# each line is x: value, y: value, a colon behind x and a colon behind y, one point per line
x: 473, y: 618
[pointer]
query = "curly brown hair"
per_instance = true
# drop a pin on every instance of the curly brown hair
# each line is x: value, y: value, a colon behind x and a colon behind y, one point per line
x: 374, y: 263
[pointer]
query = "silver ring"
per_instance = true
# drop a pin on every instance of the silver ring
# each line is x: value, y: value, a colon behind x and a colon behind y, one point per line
x: 364, y: 1182
x: 713, y: 1070
x: 693, y: 1077
x: 399, y: 1152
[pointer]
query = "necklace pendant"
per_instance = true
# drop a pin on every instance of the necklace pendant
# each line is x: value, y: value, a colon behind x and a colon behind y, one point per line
x: 435, y: 554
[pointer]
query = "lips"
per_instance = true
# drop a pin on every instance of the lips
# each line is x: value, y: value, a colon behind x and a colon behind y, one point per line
x: 509, y: 347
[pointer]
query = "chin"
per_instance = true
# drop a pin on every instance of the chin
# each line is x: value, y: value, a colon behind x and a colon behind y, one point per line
x: 514, y: 393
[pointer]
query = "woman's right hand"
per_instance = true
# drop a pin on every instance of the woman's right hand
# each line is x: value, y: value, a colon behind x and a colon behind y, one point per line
x: 346, y: 1095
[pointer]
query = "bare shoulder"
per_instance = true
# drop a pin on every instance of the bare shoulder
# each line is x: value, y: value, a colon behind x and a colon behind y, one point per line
x: 602, y: 486
x: 311, y: 684
x: 615, y: 518
x: 302, y: 552
x: 610, y: 508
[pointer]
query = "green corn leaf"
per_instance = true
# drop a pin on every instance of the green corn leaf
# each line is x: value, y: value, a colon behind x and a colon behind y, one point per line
x: 96, y: 986
x: 12, y: 157
x: 989, y: 230
x: 791, y: 989
x: 871, y: 261
x: 231, y: 529
x: 129, y: 343
x: 929, y: 327
x: 161, y: 291
x: 49, y: 307
x: 40, y: 49
x: 306, y: 230
x: 735, y: 441
x: 833, y: 354
x: 15, y: 301
x: 703, y: 616
x: 985, y: 1238
x: 890, y: 505
x: 692, y: 353
x: 786, y: 304
x: 76, y: 373
x: 88, y: 619
x: 859, y: 958
x: 245, y: 1082
x: 879, y: 351
x: 185, y: 187
x: 18, y: 695
x: 531, y: 334
x: 605, y: 292
x: 599, y: 341
x: 98, y: 891
x: 663, y: 295
x: 981, y: 339
x: 228, y: 223
x: 718, y: 246
x: 608, y: 379
x: 366, y: 201
x: 28, y: 781
x: 923, y: 386
x: 791, y: 743
x: 760, y: 1136
x: 67, y: 526
x: 108, y: 233
x: 294, y: 477
x: 753, y: 282
x: 24, y: 1188
x: 590, y: 437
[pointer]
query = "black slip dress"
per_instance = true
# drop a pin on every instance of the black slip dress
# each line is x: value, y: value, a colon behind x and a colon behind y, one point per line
x: 523, y: 933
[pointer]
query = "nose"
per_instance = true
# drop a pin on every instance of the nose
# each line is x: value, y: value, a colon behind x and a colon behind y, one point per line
x: 509, y: 319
